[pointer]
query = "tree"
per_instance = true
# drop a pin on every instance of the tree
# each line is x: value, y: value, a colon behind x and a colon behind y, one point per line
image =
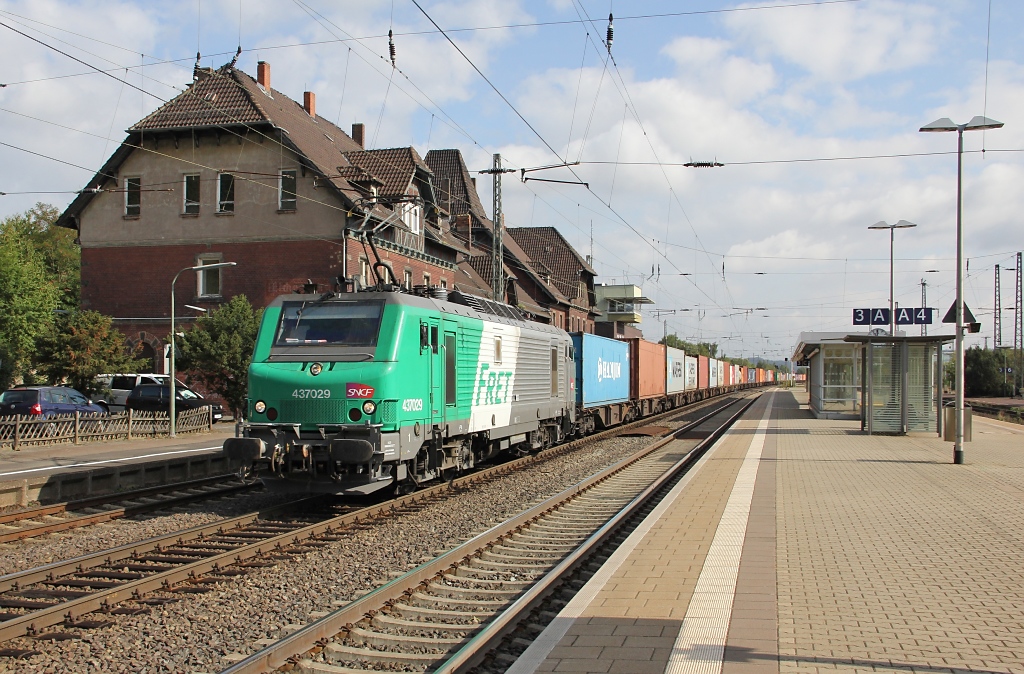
x: 709, y: 349
x: 28, y: 299
x: 80, y: 345
x: 981, y: 373
x: 55, y: 247
x: 217, y: 350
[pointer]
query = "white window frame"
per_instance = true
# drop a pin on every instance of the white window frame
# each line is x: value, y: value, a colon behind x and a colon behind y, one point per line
x: 280, y: 190
x: 444, y: 283
x: 426, y: 279
x: 185, y: 203
x: 221, y: 203
x: 127, y: 206
x: 412, y: 216
x: 202, y: 277
x: 408, y: 279
x: 364, y: 271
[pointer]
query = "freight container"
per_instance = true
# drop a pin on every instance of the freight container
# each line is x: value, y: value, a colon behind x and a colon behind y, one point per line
x: 736, y: 375
x: 760, y: 375
x: 727, y: 381
x: 751, y: 375
x: 712, y: 373
x: 647, y: 368
x: 721, y: 373
x: 602, y: 370
x: 675, y: 370
x: 703, y: 372
x: 691, y: 373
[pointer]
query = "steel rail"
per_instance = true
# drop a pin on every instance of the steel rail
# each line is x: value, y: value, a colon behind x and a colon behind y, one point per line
x: 113, y: 513
x: 32, y: 623
x: 290, y: 648
x: 481, y: 643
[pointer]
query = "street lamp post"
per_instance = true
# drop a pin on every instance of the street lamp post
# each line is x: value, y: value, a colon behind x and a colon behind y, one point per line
x: 902, y: 224
x: 946, y: 124
x: 172, y: 383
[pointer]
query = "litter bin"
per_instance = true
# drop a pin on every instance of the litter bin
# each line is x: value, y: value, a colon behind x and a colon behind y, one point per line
x: 949, y: 423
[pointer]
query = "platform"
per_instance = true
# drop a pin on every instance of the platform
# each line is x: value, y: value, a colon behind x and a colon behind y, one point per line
x: 805, y: 545
x: 62, y: 472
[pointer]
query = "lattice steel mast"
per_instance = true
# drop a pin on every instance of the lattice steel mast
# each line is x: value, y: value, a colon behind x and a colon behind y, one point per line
x: 498, y: 244
x: 997, y: 316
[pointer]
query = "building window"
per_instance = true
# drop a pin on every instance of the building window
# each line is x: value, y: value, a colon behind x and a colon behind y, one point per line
x: 408, y: 279
x: 226, y: 184
x: 426, y: 280
x: 132, y: 197
x: 191, y: 205
x: 364, y: 271
x: 411, y: 215
x: 286, y: 190
x: 208, y: 280
x: 444, y: 283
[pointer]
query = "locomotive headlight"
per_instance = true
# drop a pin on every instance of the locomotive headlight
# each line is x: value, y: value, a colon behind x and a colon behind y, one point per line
x: 369, y: 407
x: 315, y: 369
x: 260, y: 407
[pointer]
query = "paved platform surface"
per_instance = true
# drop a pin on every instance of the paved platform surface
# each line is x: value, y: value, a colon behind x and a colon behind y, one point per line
x: 802, y: 545
x: 35, y: 460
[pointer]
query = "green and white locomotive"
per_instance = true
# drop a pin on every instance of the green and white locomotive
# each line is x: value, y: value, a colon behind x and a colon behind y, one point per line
x: 358, y: 391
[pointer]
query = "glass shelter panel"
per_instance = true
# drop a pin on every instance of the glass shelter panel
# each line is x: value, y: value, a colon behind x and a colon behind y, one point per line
x: 922, y: 405
x: 886, y: 388
x: 840, y: 379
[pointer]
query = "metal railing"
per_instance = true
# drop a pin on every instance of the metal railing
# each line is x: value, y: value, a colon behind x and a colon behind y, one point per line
x: 76, y: 428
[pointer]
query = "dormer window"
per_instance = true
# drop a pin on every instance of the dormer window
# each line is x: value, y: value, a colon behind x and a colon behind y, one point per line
x: 411, y: 215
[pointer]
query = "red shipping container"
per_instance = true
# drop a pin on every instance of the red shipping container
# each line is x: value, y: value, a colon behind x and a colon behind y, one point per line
x: 702, y: 371
x: 728, y: 374
x: 646, y: 369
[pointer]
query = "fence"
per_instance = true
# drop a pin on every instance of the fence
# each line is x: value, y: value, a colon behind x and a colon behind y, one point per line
x: 77, y: 428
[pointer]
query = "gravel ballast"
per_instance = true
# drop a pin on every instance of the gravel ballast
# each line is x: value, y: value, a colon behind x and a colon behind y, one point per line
x: 207, y: 632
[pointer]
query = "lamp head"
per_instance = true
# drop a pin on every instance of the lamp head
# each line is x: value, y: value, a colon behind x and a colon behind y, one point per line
x: 944, y: 124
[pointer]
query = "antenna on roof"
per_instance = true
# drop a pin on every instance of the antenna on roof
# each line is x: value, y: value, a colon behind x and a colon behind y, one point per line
x: 195, y: 69
x: 237, y: 54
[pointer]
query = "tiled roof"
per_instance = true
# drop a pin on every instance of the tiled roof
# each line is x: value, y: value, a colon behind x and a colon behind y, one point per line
x: 546, y: 246
x: 394, y: 167
x: 450, y: 172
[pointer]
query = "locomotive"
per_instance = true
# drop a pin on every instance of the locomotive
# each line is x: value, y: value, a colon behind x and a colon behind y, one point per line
x: 354, y: 392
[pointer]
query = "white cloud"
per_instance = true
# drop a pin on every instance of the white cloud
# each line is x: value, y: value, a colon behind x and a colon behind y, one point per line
x: 841, y: 43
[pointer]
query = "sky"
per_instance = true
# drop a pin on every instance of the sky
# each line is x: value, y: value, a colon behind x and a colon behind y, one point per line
x: 812, y: 108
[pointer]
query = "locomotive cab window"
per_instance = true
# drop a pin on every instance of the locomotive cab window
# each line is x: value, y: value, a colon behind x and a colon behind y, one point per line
x: 450, y: 374
x: 329, y: 324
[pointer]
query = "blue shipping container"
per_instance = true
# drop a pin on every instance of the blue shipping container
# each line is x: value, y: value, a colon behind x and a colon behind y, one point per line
x: 602, y: 370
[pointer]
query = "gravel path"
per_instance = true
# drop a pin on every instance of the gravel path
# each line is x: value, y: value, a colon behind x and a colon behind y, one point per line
x: 207, y: 632
x: 32, y: 552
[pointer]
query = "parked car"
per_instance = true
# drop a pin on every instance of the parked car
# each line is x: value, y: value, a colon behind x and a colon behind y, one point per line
x: 47, y: 401
x: 157, y: 398
x: 116, y: 387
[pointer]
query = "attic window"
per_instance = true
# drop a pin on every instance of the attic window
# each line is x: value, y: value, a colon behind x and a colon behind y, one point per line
x: 132, y: 197
x: 211, y: 97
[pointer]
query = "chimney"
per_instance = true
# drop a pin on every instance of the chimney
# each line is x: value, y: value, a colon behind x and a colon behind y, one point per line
x: 309, y: 103
x: 358, y: 133
x: 263, y: 74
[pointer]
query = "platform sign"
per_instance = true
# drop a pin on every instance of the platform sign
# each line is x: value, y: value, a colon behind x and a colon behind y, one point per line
x: 871, y: 317
x: 904, y: 316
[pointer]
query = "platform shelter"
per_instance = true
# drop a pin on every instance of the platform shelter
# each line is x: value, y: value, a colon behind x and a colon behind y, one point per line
x: 902, y: 383
x: 833, y: 373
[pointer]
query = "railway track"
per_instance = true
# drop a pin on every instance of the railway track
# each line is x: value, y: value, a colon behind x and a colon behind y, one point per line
x: 47, y: 519
x: 118, y: 580
x: 445, y: 615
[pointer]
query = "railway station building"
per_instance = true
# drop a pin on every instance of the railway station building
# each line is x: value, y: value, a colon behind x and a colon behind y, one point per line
x: 234, y: 170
